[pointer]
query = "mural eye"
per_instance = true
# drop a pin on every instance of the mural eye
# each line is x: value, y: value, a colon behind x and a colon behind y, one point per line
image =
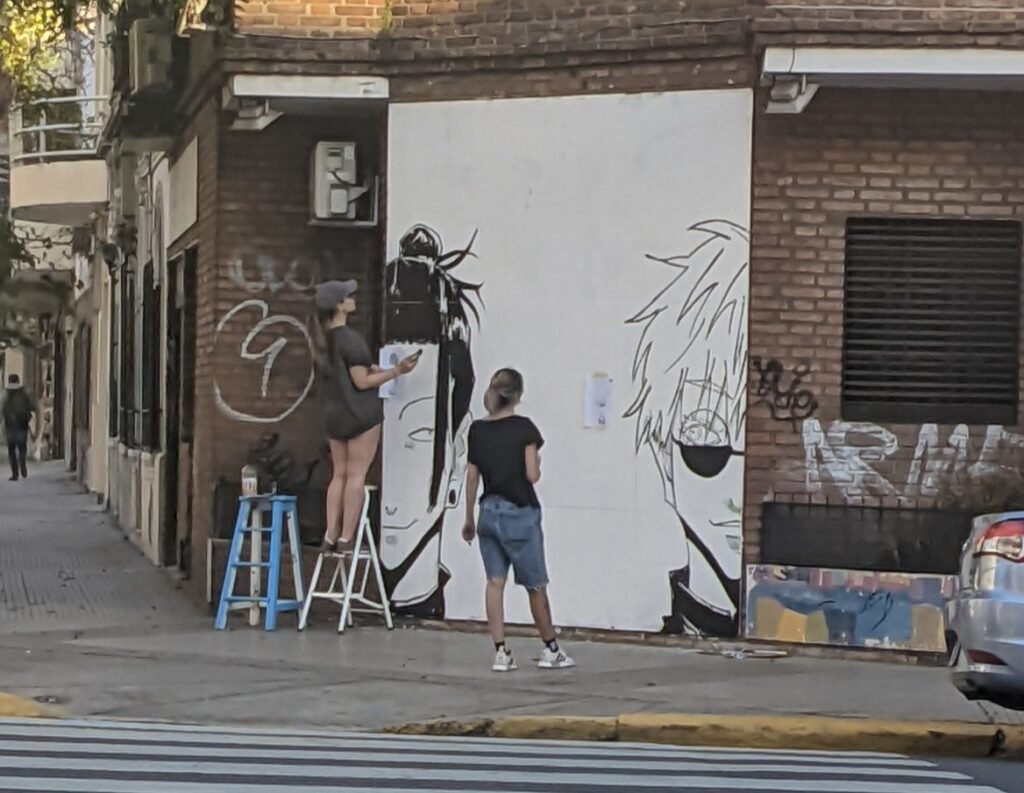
x: 706, y: 461
x: 422, y: 435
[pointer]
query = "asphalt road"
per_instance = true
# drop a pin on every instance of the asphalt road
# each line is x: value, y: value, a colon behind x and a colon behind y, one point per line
x: 125, y: 757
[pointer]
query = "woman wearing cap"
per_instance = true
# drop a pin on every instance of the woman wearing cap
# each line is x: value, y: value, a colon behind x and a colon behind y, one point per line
x: 352, y: 407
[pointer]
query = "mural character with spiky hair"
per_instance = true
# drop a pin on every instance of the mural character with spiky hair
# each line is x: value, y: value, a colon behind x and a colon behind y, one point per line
x: 690, y: 377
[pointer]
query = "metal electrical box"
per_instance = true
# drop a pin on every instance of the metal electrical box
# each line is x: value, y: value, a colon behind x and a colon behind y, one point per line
x: 340, y: 191
x: 149, y: 56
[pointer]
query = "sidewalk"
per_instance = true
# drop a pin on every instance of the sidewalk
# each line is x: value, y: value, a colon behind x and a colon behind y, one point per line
x: 87, y: 624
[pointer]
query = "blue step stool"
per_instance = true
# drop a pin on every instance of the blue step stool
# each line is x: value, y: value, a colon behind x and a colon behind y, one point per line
x: 251, y: 509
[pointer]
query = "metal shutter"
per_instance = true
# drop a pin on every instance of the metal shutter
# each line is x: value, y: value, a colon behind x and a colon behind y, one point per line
x: 931, y: 320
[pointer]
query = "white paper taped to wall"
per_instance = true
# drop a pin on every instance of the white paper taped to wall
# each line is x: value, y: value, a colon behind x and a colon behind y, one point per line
x: 390, y: 355
x: 597, y: 398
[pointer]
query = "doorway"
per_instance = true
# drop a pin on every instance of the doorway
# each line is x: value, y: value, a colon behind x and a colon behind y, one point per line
x: 176, y: 545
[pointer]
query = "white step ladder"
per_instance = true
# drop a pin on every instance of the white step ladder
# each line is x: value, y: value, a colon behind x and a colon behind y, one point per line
x: 351, y: 600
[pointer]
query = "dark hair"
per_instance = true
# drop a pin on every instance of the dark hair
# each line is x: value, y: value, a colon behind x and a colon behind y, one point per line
x: 427, y: 304
x: 506, y: 390
x: 323, y: 342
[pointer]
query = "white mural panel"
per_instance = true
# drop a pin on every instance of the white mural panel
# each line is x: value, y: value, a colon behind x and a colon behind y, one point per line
x: 563, y: 237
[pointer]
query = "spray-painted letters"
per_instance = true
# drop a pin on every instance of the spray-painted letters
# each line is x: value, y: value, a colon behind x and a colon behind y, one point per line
x: 259, y: 272
x: 850, y: 455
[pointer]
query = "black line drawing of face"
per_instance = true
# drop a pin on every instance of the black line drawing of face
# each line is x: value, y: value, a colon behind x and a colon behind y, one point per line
x: 689, y: 371
x: 429, y: 307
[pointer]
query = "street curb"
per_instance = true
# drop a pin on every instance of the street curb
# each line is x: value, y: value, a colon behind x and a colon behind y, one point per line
x: 947, y: 739
x: 12, y: 707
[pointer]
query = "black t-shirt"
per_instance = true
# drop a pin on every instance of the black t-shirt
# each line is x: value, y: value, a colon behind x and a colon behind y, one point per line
x: 350, y: 411
x: 498, y: 449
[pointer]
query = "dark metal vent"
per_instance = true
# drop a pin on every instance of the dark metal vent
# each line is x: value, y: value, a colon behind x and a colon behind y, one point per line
x: 931, y: 320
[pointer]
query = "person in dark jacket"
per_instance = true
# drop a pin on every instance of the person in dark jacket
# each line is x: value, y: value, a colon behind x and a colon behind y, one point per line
x: 17, y: 412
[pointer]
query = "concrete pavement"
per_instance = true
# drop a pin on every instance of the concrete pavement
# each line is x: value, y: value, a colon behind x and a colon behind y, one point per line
x: 88, y: 625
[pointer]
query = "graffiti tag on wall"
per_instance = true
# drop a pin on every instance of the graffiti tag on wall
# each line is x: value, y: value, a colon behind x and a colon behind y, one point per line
x: 850, y: 456
x: 259, y: 272
x: 267, y: 338
x: 789, y: 402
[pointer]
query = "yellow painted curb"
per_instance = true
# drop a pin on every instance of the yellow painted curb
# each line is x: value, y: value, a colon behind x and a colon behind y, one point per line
x: 560, y: 728
x: 12, y: 707
x: 949, y: 739
x: 820, y: 733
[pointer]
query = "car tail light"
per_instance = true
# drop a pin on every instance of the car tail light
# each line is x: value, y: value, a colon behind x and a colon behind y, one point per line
x: 1004, y: 539
x: 981, y: 657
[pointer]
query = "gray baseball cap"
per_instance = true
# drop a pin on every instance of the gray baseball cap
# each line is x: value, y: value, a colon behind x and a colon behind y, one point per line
x: 330, y: 293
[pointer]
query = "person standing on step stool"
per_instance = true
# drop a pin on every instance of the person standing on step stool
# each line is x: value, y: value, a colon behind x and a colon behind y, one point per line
x: 504, y: 449
x: 352, y: 407
x: 18, y: 410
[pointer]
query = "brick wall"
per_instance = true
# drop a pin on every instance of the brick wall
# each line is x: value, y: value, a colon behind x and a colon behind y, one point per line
x: 321, y: 19
x: 539, y: 27
x: 268, y: 252
x: 868, y: 153
x: 415, y: 33
x: 207, y: 130
x: 989, y: 23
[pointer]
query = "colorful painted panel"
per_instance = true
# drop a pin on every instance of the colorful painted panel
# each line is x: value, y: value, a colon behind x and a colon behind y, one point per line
x: 851, y: 608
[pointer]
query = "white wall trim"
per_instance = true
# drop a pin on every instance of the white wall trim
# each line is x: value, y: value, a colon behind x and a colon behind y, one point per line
x: 920, y: 62
x: 299, y: 86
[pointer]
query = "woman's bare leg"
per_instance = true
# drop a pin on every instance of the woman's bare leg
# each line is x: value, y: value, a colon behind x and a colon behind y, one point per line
x: 336, y: 490
x: 361, y: 452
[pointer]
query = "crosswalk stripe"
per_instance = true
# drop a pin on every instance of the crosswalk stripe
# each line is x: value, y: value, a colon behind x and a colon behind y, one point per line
x: 124, y: 727
x: 98, y: 768
x: 76, y: 785
x: 287, y: 755
x: 383, y: 746
x: 377, y: 764
x: 128, y: 757
x: 487, y: 746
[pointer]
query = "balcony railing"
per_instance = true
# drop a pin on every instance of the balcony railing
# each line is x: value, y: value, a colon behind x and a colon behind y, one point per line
x: 59, y: 128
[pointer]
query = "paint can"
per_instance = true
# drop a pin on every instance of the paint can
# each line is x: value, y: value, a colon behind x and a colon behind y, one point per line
x: 250, y: 481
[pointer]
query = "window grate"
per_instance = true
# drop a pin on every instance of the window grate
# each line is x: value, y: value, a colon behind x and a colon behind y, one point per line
x: 931, y: 320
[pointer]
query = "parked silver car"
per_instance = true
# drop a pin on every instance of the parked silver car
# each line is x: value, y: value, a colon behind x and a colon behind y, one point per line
x: 985, y: 618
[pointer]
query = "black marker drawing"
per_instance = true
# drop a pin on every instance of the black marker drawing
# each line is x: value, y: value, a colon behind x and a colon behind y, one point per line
x: 429, y: 307
x: 690, y: 373
x: 792, y: 404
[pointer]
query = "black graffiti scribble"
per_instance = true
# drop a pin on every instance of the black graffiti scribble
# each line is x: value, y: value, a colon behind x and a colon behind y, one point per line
x: 280, y: 466
x: 888, y: 603
x: 791, y: 403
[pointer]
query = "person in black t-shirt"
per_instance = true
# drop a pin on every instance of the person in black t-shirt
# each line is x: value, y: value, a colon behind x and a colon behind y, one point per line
x: 17, y: 412
x: 352, y: 411
x: 504, y: 449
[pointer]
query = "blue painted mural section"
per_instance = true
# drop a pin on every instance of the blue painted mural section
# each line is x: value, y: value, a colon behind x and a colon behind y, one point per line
x: 847, y: 608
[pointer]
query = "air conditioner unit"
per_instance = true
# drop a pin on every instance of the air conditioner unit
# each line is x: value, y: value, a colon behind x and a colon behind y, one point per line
x: 149, y: 55
x: 340, y: 191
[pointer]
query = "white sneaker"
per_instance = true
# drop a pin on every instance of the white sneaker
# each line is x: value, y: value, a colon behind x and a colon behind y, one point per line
x: 504, y: 662
x: 555, y: 660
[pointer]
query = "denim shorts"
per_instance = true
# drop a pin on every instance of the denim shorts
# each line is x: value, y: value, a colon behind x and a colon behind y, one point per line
x: 511, y: 536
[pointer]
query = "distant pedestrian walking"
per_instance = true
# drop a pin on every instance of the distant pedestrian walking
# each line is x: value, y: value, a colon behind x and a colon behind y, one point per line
x: 17, y: 412
x: 504, y: 449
